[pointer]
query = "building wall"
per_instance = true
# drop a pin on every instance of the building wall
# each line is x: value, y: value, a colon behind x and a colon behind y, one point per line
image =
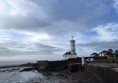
x: 66, y: 57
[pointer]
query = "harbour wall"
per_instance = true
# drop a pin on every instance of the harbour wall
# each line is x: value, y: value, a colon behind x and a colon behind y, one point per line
x: 56, y: 65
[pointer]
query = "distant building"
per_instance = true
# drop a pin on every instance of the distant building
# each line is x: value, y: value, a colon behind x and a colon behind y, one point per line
x: 72, y: 53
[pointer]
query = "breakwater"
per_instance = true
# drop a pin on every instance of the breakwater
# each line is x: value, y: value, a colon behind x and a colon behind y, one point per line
x: 17, y: 65
x: 58, y: 65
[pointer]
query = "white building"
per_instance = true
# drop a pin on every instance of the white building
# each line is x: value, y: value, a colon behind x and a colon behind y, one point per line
x: 72, y: 53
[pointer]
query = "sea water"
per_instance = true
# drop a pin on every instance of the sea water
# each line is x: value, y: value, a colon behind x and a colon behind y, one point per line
x: 4, y: 76
x: 17, y: 76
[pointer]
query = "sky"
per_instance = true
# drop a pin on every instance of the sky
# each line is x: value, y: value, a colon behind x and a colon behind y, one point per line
x: 41, y: 29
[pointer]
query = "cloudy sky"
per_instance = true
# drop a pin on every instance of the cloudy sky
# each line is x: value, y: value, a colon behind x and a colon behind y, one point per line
x: 41, y: 29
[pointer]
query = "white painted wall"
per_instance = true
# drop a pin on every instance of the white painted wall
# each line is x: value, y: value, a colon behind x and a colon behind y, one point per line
x: 66, y: 57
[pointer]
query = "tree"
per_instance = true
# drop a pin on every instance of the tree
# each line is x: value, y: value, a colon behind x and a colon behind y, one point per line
x: 110, y: 53
x: 116, y: 53
x: 110, y: 50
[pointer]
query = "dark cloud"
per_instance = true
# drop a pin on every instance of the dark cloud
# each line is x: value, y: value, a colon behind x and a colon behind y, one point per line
x: 101, y: 45
x: 46, y: 47
x: 59, y: 16
x: 26, y: 49
x: 58, y: 19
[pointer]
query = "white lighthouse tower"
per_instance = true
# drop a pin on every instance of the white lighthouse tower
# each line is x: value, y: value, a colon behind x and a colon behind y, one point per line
x: 72, y: 45
x: 72, y: 53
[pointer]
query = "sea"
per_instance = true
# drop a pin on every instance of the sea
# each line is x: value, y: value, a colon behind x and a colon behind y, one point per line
x: 13, y: 75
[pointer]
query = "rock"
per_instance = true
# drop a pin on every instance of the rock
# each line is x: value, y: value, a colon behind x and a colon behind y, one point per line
x: 26, y: 69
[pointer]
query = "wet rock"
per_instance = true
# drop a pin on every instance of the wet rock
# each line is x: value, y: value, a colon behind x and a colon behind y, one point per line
x: 26, y: 69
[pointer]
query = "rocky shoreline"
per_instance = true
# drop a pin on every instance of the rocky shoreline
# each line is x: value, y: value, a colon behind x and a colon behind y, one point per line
x: 65, y: 77
x: 27, y: 75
